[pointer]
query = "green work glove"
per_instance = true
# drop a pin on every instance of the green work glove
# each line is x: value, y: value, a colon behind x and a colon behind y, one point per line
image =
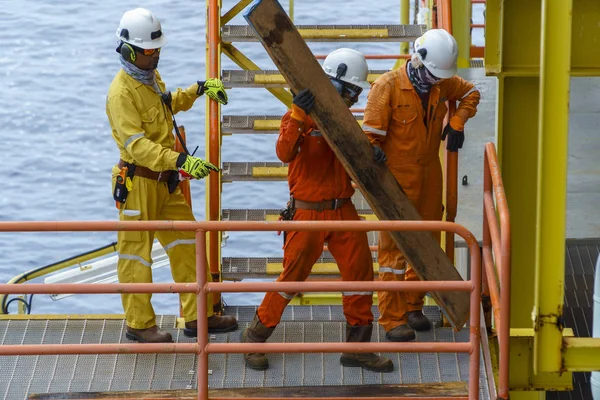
x: 195, y: 168
x: 214, y: 89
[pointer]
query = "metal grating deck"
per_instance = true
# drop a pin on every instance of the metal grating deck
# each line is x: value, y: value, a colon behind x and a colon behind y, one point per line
x: 338, y: 33
x: 477, y: 63
x: 266, y: 124
x: 580, y: 263
x: 51, y: 374
x: 267, y: 78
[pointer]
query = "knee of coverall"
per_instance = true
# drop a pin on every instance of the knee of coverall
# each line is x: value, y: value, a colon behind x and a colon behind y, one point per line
x: 134, y: 266
x: 181, y: 249
x: 388, y: 254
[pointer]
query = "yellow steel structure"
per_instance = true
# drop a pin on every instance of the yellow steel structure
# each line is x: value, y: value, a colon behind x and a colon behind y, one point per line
x: 530, y: 47
x: 553, y: 140
x: 244, y: 62
x: 461, y: 30
x: 404, y: 20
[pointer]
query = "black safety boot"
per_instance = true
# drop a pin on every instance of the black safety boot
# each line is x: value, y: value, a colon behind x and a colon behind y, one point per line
x: 256, y: 333
x: 216, y: 324
x: 149, y: 335
x: 418, y: 321
x: 369, y: 361
x: 401, y: 333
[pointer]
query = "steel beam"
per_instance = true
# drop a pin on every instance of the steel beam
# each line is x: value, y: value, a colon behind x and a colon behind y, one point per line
x: 551, y: 212
x: 461, y: 30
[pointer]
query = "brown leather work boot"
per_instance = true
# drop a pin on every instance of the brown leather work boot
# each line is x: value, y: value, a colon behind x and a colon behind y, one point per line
x: 401, y: 333
x: 369, y: 361
x: 418, y: 321
x: 256, y: 333
x: 216, y: 324
x: 150, y: 335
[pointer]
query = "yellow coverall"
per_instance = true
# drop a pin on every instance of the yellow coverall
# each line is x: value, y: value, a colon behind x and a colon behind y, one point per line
x: 410, y: 137
x: 142, y: 127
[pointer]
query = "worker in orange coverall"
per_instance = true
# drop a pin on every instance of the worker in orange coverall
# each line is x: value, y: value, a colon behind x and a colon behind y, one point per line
x: 403, y: 120
x: 321, y: 190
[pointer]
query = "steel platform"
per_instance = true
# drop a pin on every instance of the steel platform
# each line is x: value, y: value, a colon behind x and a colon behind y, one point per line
x: 25, y: 375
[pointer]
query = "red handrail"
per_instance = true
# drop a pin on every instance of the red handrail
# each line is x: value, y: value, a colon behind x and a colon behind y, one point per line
x: 444, y: 21
x: 203, y: 348
x: 496, y: 242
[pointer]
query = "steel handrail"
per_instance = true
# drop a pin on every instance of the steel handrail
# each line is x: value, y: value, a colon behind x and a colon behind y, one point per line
x: 496, y: 242
x: 202, y: 287
x: 444, y: 21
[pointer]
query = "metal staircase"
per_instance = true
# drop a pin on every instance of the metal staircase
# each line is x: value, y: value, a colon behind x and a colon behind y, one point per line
x: 409, y: 369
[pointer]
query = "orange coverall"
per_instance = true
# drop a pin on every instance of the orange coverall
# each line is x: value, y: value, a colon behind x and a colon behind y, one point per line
x: 315, y: 175
x: 396, y: 121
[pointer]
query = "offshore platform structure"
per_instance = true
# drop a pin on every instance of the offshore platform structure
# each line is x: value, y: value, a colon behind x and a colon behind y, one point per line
x: 528, y: 344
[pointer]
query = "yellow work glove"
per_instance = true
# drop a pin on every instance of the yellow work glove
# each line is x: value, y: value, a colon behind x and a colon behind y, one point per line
x: 214, y: 89
x: 195, y: 168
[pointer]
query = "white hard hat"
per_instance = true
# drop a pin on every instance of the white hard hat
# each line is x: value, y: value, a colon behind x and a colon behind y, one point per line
x: 141, y: 28
x: 356, y: 70
x: 438, y: 51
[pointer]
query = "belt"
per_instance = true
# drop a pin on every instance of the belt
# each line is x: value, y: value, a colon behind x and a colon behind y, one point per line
x: 320, y: 206
x: 144, y: 172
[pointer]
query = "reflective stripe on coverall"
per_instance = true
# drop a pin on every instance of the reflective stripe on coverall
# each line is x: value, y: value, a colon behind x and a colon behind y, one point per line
x: 394, y: 120
x: 315, y: 175
x: 142, y: 129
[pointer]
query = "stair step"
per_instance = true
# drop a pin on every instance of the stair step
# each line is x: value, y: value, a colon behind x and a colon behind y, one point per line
x: 476, y: 63
x: 335, y: 33
x: 267, y: 124
x: 273, y: 214
x: 237, y: 268
x: 239, y: 78
x: 254, y: 171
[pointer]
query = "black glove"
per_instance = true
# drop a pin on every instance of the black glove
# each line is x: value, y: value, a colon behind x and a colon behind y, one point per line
x: 455, y: 138
x: 378, y: 155
x: 305, y: 100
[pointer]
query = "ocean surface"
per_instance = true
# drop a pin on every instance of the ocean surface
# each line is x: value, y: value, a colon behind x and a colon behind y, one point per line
x: 57, y: 60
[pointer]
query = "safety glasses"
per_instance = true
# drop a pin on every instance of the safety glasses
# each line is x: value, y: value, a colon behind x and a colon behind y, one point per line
x: 149, y: 52
x: 346, y: 89
x: 146, y: 52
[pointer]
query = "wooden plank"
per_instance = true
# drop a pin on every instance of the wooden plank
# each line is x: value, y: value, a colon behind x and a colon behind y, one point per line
x: 417, y: 391
x: 298, y: 65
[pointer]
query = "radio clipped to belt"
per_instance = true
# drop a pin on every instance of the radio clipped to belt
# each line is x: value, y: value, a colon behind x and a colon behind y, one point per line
x: 123, y: 184
x: 287, y: 214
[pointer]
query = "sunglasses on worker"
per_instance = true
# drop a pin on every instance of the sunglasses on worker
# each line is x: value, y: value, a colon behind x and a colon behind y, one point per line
x: 146, y: 52
x: 347, y: 89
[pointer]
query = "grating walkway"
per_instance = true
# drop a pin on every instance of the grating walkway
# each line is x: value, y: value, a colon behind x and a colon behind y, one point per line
x: 580, y: 262
x: 83, y: 373
x: 338, y: 33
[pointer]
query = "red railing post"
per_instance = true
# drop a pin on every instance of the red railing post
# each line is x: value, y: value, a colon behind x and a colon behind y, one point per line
x: 202, y: 321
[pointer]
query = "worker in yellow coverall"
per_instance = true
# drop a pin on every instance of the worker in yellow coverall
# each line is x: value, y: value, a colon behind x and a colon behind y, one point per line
x: 145, y: 180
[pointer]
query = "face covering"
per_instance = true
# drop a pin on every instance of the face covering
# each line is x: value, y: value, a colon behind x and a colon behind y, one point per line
x: 140, y: 75
x: 421, y: 78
